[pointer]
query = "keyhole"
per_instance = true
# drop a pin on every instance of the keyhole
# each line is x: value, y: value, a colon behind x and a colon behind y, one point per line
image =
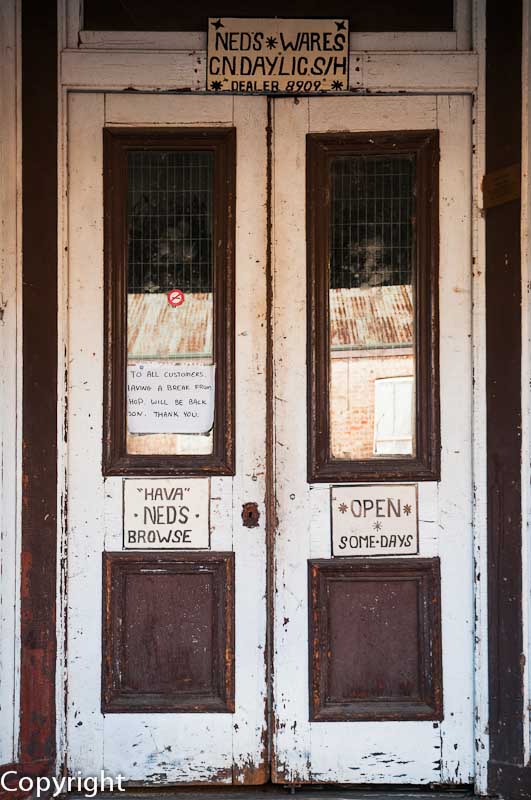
x: 250, y: 515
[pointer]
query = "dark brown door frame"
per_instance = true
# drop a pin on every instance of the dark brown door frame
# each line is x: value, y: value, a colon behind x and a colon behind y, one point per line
x: 37, y: 749
x: 39, y: 382
x: 507, y: 773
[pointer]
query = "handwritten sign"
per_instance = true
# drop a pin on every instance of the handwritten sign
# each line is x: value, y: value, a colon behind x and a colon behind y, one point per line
x: 170, y: 398
x: 166, y: 514
x: 375, y: 520
x: 277, y: 55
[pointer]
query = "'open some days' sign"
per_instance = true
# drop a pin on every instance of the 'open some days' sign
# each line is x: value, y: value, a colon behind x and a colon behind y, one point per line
x: 374, y: 520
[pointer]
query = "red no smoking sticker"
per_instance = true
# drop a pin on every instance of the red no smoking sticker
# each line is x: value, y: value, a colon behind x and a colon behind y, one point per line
x: 175, y: 298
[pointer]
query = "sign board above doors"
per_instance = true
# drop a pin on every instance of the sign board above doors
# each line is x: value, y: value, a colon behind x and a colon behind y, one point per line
x: 277, y: 56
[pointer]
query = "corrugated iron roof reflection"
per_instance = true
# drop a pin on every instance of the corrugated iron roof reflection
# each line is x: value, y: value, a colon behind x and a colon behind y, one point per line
x: 157, y: 330
x: 377, y: 316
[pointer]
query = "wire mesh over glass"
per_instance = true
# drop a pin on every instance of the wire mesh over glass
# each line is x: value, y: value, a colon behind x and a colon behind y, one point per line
x: 170, y: 285
x: 169, y: 212
x: 372, y: 296
x: 371, y: 225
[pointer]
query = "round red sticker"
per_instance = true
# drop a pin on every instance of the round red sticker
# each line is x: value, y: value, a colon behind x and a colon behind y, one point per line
x: 175, y: 298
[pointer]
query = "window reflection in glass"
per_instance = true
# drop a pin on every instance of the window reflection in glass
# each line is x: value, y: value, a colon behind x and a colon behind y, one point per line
x: 170, y: 288
x: 372, y: 301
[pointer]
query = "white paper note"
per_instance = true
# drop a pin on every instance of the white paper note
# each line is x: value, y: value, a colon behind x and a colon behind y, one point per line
x: 170, y: 398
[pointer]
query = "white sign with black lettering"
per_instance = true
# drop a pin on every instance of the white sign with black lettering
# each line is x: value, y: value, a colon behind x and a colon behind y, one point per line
x: 166, y: 514
x: 376, y: 520
x: 277, y: 56
x: 170, y: 398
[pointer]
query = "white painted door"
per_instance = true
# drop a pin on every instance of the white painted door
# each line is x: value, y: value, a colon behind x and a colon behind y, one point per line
x: 162, y: 747
x: 366, y: 750
x: 229, y: 747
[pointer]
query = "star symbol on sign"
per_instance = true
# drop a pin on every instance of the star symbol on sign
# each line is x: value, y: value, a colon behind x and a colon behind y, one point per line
x: 216, y: 85
x: 343, y: 508
x: 407, y: 509
x: 218, y: 24
x: 341, y: 25
x: 377, y: 526
x: 271, y: 42
x: 337, y: 85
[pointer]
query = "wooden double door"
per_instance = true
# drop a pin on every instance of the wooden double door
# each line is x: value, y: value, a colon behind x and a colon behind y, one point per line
x: 312, y: 256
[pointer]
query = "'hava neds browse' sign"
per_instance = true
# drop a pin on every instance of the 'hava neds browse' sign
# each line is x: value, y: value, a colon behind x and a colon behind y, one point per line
x: 274, y: 56
x: 166, y: 514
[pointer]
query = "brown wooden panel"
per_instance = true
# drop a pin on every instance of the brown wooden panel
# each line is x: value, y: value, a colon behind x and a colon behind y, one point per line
x: 168, y: 632
x: 378, y: 15
x: 321, y: 149
x: 375, y: 639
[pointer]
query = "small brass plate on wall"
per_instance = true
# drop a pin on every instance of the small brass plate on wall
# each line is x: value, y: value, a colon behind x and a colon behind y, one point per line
x: 502, y: 186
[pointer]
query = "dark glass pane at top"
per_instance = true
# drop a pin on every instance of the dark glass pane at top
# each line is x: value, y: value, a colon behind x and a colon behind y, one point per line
x: 171, y: 15
x: 169, y: 210
x: 371, y: 226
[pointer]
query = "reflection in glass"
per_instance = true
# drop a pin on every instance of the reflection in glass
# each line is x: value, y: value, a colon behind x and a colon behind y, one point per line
x: 170, y: 247
x: 392, y: 416
x: 372, y: 299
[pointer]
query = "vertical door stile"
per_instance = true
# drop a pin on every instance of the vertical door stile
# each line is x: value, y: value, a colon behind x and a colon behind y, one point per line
x: 250, y: 721
x: 85, y: 740
x: 455, y: 493
x: 292, y: 730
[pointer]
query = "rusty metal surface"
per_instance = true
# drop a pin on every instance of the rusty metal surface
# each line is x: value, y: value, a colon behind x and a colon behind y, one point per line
x: 168, y: 632
x: 373, y: 317
x: 157, y: 330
